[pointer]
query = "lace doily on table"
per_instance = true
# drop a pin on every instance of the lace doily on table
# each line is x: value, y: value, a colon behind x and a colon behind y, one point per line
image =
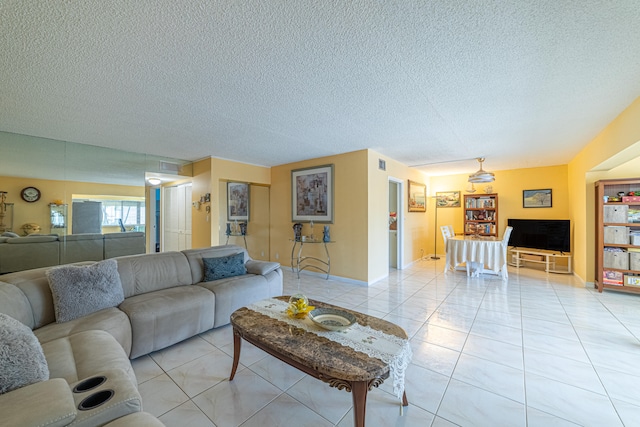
x: 392, y: 350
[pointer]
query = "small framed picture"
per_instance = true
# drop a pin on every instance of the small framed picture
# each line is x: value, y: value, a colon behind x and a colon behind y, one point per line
x: 448, y: 199
x: 237, y: 201
x: 536, y: 198
x: 417, y: 197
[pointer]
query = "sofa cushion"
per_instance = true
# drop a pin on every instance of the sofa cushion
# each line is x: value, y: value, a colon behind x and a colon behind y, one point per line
x: 22, y: 361
x: 165, y: 317
x: 111, y: 320
x: 122, y: 244
x: 35, y: 286
x: 81, y: 290
x: 24, y: 253
x: 223, y: 267
x: 81, y: 247
x: 137, y: 419
x: 84, y: 354
x: 15, y: 303
x: 235, y: 292
x: 9, y: 234
x: 151, y: 272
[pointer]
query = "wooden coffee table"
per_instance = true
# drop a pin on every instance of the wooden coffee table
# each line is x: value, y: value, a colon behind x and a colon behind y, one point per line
x: 339, y: 366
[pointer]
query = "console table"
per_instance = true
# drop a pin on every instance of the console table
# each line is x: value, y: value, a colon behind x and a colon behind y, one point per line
x: 300, y: 262
x: 244, y: 237
x: 520, y: 257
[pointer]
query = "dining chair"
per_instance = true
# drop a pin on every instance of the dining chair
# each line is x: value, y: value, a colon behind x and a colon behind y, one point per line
x: 447, y: 233
x: 505, y: 247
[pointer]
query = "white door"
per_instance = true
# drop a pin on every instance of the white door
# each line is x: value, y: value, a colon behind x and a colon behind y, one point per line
x: 177, y: 218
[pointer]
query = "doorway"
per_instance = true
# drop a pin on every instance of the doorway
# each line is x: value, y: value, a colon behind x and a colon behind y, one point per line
x: 176, y: 218
x: 395, y: 223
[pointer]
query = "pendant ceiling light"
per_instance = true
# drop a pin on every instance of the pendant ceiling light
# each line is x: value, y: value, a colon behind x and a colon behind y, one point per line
x: 481, y: 176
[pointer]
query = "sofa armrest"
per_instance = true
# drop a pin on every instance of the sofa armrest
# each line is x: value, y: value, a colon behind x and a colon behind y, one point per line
x: 48, y: 403
x: 261, y: 267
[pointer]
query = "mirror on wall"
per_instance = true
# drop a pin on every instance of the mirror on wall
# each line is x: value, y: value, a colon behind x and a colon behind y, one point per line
x: 65, y: 171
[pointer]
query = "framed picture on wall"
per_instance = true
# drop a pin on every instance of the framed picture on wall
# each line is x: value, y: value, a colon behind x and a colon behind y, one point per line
x: 312, y: 194
x: 536, y: 198
x: 238, y: 201
x: 448, y: 199
x: 417, y: 197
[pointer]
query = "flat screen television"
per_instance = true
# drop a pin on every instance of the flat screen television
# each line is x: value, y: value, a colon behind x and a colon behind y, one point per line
x: 548, y: 234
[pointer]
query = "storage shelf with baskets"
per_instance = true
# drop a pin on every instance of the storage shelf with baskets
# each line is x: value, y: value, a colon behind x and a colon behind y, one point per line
x: 618, y: 235
x: 481, y: 214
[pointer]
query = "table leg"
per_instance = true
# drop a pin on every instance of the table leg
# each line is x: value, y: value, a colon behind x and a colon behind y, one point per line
x: 237, y: 341
x: 359, y: 390
x: 293, y: 248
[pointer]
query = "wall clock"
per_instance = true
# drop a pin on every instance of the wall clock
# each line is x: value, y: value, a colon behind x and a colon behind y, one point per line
x: 30, y: 194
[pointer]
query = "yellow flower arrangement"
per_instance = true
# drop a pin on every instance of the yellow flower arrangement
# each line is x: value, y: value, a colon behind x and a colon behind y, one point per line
x: 299, y: 308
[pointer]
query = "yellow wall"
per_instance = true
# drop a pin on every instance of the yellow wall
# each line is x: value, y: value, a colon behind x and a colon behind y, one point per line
x: 509, y: 185
x: 51, y: 191
x: 414, y: 226
x: 349, y: 229
x: 360, y: 228
x: 619, y: 136
x: 211, y: 176
x: 200, y: 218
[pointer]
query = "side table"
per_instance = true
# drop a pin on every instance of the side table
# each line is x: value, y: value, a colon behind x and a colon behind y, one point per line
x: 244, y: 237
x: 300, y: 262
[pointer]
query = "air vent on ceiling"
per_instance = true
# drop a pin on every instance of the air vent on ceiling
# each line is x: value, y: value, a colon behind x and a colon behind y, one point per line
x: 169, y: 167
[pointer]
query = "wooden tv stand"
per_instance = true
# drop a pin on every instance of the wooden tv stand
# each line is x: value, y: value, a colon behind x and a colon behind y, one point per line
x: 521, y: 256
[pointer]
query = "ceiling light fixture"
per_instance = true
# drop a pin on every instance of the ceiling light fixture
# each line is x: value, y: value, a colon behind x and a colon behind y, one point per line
x: 154, y: 181
x: 481, y: 176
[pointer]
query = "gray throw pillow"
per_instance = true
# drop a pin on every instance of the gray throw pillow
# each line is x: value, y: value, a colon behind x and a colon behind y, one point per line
x: 22, y: 361
x: 81, y: 290
x: 9, y: 234
x: 222, y: 267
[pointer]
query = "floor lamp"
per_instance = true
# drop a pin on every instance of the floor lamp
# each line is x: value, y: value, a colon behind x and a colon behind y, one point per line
x: 435, y: 231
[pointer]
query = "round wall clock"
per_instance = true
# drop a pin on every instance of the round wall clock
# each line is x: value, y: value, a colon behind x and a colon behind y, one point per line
x: 30, y: 194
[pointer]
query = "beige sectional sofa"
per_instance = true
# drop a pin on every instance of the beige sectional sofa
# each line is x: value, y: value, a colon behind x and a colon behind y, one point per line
x: 34, y: 251
x: 166, y: 300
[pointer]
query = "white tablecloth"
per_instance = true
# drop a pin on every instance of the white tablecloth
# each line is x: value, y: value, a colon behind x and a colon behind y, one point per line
x: 482, y: 250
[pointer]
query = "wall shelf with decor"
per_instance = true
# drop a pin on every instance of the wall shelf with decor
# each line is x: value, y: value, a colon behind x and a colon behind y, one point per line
x: 481, y: 214
x: 618, y: 235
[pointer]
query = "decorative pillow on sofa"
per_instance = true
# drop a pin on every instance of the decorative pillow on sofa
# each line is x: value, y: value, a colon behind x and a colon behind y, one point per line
x: 81, y: 290
x: 22, y: 361
x: 224, y: 266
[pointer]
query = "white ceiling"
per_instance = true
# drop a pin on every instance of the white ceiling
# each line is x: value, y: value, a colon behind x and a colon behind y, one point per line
x: 269, y: 82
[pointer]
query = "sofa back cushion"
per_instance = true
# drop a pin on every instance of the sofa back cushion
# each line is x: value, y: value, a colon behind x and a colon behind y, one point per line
x: 81, y: 290
x: 15, y: 303
x: 144, y: 273
x: 24, y: 253
x: 194, y: 256
x: 22, y: 360
x: 123, y: 244
x: 35, y: 286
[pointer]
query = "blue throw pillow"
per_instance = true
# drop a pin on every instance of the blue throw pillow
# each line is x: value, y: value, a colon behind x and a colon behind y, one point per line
x: 222, y: 267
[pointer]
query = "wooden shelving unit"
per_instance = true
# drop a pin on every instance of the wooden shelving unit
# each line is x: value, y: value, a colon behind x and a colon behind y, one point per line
x: 617, y: 250
x: 481, y: 213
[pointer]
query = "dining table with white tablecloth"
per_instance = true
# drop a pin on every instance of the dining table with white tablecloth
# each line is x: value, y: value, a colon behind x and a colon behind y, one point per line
x: 480, y: 252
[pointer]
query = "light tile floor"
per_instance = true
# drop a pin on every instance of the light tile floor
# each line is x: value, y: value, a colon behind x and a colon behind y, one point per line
x: 537, y: 350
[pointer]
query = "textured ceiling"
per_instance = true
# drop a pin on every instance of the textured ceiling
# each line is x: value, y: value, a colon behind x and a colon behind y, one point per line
x: 269, y: 82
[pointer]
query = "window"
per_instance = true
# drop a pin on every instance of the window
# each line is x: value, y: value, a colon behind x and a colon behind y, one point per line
x: 131, y: 213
